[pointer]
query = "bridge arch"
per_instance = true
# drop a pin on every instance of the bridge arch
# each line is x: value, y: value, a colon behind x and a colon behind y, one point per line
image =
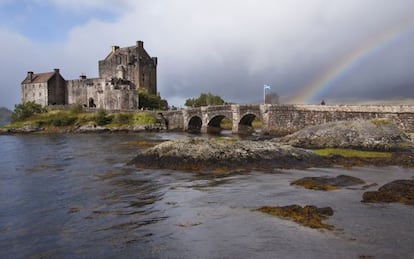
x: 245, y: 125
x: 195, y: 124
x: 214, y: 124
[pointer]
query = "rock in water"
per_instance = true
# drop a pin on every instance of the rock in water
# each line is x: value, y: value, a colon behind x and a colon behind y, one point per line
x: 327, y: 183
x: 202, y: 153
x: 308, y: 216
x: 401, y: 191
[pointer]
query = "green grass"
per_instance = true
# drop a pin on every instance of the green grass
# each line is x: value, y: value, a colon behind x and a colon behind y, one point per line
x: 143, y: 118
x: 351, y: 153
x: 64, y: 118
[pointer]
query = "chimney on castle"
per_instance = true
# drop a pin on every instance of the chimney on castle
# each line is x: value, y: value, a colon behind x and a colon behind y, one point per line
x: 30, y: 76
x: 56, y: 70
x: 140, y: 44
x: 82, y: 76
x: 114, y: 48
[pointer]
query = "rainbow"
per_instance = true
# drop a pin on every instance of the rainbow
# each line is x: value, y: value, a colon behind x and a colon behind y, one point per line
x: 326, y: 80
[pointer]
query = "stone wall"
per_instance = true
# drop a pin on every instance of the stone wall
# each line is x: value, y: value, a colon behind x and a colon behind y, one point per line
x: 56, y: 90
x: 131, y: 63
x: 280, y: 120
x: 285, y: 119
x: 175, y: 120
x: 102, y: 94
x: 48, y: 92
x: 35, y: 93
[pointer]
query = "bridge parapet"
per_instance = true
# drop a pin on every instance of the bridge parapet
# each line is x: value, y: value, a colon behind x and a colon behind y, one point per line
x: 285, y: 119
x: 351, y: 108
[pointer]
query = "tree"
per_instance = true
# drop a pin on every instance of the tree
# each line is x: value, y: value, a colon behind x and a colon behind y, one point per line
x: 151, y: 101
x: 204, y: 100
x: 272, y: 98
x: 26, y: 110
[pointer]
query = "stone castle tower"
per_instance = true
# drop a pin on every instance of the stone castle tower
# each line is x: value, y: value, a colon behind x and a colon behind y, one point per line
x: 132, y: 64
x: 122, y: 74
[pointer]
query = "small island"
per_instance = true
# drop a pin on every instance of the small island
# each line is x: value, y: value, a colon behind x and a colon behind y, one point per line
x: 372, y: 143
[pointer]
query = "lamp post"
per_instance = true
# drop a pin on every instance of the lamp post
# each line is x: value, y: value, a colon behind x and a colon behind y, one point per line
x: 265, y: 87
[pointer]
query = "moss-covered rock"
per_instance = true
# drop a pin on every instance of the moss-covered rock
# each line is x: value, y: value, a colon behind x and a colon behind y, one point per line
x: 327, y: 183
x: 308, y: 216
x: 380, y: 135
x: 401, y: 191
x: 207, y: 153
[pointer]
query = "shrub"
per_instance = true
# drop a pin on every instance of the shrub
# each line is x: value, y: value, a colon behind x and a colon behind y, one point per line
x: 26, y: 110
x: 63, y: 121
x: 76, y: 109
x: 144, y: 119
x: 151, y: 101
x: 124, y: 118
x: 102, y: 118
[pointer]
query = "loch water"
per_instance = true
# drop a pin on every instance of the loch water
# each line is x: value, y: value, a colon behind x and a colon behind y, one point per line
x: 74, y: 196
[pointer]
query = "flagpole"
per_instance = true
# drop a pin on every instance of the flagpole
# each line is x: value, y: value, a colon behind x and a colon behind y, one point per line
x: 265, y: 87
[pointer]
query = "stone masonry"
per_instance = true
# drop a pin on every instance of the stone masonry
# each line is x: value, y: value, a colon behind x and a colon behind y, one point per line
x: 280, y: 120
x: 122, y: 74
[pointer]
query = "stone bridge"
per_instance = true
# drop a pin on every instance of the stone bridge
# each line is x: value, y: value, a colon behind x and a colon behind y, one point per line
x: 281, y: 120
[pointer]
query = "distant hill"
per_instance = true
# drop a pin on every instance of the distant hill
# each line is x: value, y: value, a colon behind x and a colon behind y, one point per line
x: 4, y: 115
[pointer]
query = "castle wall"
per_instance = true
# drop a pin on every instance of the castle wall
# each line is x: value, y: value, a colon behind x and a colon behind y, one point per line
x: 36, y: 92
x: 121, y: 73
x: 56, y: 90
x: 102, y: 94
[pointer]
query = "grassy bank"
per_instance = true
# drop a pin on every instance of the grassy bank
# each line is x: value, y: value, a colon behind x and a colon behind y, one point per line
x: 351, y: 153
x: 76, y: 117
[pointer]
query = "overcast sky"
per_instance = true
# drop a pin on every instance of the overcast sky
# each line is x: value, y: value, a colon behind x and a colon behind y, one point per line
x: 357, y: 49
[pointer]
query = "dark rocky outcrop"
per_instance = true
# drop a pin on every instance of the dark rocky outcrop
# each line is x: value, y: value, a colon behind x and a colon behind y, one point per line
x: 308, y: 216
x: 376, y: 134
x: 401, y: 191
x: 22, y: 130
x: 204, y: 153
x: 327, y: 183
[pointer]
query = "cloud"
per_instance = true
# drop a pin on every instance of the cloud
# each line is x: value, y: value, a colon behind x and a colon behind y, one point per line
x: 84, y: 6
x: 15, y: 50
x: 231, y: 48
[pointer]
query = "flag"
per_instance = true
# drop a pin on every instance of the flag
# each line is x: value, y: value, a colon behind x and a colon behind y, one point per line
x: 266, y: 87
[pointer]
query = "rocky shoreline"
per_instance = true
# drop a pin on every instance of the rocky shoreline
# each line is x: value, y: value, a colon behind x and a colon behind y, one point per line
x: 293, y: 151
x: 225, y: 154
x: 88, y: 128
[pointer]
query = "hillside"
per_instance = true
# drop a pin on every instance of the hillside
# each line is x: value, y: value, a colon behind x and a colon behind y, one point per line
x: 4, y: 115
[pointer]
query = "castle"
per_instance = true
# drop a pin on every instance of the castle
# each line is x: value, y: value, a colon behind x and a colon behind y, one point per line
x: 122, y: 74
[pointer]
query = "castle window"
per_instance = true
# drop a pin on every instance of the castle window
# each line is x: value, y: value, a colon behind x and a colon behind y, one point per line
x: 33, y: 94
x: 40, y: 94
